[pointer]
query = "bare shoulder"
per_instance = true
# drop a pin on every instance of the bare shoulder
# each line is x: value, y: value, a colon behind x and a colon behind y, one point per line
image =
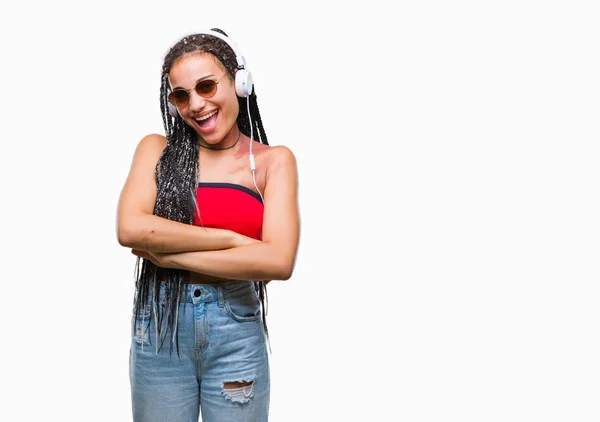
x: 283, y: 152
x: 281, y: 165
x: 280, y: 155
x: 149, y: 149
x: 153, y: 141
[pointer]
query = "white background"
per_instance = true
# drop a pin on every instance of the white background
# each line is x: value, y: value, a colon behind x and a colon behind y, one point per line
x: 448, y: 159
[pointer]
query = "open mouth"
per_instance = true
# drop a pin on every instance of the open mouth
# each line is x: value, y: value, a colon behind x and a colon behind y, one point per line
x: 208, y: 121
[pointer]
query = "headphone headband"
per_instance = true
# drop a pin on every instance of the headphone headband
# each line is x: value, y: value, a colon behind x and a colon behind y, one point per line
x: 243, y: 78
x: 241, y: 62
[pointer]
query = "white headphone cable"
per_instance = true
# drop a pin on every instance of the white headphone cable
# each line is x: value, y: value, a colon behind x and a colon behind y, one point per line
x: 251, y: 156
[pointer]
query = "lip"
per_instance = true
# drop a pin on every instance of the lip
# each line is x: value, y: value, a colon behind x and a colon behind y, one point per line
x: 206, y: 130
x: 205, y: 113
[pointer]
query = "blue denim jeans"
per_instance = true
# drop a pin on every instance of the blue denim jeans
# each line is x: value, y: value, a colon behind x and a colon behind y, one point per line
x: 221, y: 341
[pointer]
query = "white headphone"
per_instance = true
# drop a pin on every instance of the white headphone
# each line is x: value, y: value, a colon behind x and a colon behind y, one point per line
x: 243, y: 78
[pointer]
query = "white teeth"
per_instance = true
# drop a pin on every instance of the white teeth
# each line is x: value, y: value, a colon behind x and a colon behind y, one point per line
x: 199, y: 119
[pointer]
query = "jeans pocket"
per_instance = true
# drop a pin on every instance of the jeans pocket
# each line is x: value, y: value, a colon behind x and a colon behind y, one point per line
x: 243, y: 305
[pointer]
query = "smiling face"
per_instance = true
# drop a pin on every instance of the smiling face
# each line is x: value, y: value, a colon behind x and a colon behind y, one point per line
x: 214, y: 118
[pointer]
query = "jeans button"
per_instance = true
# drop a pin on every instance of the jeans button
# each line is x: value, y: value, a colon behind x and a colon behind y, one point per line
x: 197, y: 293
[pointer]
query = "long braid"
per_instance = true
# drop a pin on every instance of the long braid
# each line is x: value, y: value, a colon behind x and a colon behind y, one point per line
x: 177, y: 172
x: 257, y: 120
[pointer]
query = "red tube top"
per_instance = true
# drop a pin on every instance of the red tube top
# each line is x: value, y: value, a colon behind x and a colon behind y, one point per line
x: 229, y: 206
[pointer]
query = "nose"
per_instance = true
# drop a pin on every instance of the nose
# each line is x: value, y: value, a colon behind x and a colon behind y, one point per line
x: 197, y: 102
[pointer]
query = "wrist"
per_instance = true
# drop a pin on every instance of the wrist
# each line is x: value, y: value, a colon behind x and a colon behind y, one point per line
x: 232, y: 240
x: 238, y: 240
x: 170, y: 261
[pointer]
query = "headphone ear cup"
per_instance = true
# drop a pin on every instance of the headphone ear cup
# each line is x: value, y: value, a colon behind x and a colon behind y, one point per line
x: 243, y: 83
x: 172, y: 110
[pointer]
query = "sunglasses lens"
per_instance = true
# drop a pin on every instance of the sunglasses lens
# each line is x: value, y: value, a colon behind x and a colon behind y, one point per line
x: 179, y: 98
x: 206, y: 88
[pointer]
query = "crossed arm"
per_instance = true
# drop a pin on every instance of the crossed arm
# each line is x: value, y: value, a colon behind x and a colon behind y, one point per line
x: 216, y: 252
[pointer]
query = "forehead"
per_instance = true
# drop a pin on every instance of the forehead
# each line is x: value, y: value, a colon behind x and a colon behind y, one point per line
x: 186, y: 70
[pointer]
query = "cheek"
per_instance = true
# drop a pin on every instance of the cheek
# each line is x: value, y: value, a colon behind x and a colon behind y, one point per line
x: 235, y: 109
x: 232, y: 101
x: 231, y: 107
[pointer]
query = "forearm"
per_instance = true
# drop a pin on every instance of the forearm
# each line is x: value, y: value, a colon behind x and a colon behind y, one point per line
x: 156, y: 234
x: 260, y: 261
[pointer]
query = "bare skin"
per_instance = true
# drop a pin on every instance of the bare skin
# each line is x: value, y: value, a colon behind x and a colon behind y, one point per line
x: 214, y: 255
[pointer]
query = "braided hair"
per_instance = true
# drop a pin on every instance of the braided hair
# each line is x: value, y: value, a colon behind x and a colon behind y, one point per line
x: 176, y: 174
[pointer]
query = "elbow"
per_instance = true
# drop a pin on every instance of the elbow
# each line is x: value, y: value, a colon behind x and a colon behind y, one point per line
x: 279, y: 274
x: 284, y: 270
x: 129, y: 235
x: 125, y: 238
x: 286, y: 275
x: 283, y: 261
x: 287, y: 272
x: 124, y: 230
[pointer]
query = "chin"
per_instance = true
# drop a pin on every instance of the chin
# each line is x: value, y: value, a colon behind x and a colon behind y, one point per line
x: 212, y: 138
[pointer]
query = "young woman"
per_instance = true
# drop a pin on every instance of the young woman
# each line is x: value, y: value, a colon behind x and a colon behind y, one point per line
x: 211, y: 213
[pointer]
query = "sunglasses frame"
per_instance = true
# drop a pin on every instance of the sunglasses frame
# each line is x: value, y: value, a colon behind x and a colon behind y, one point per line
x: 189, y: 96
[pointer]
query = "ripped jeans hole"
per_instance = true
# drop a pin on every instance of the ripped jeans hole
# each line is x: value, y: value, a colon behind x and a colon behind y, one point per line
x: 141, y: 336
x: 238, y: 391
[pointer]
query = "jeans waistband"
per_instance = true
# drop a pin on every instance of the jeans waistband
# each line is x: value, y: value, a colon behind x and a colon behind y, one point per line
x: 197, y: 293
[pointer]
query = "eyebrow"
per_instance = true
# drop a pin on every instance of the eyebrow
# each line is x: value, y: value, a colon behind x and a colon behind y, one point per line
x: 195, y: 83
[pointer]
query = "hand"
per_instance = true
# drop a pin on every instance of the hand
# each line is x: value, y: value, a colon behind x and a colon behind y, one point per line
x: 158, y: 259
